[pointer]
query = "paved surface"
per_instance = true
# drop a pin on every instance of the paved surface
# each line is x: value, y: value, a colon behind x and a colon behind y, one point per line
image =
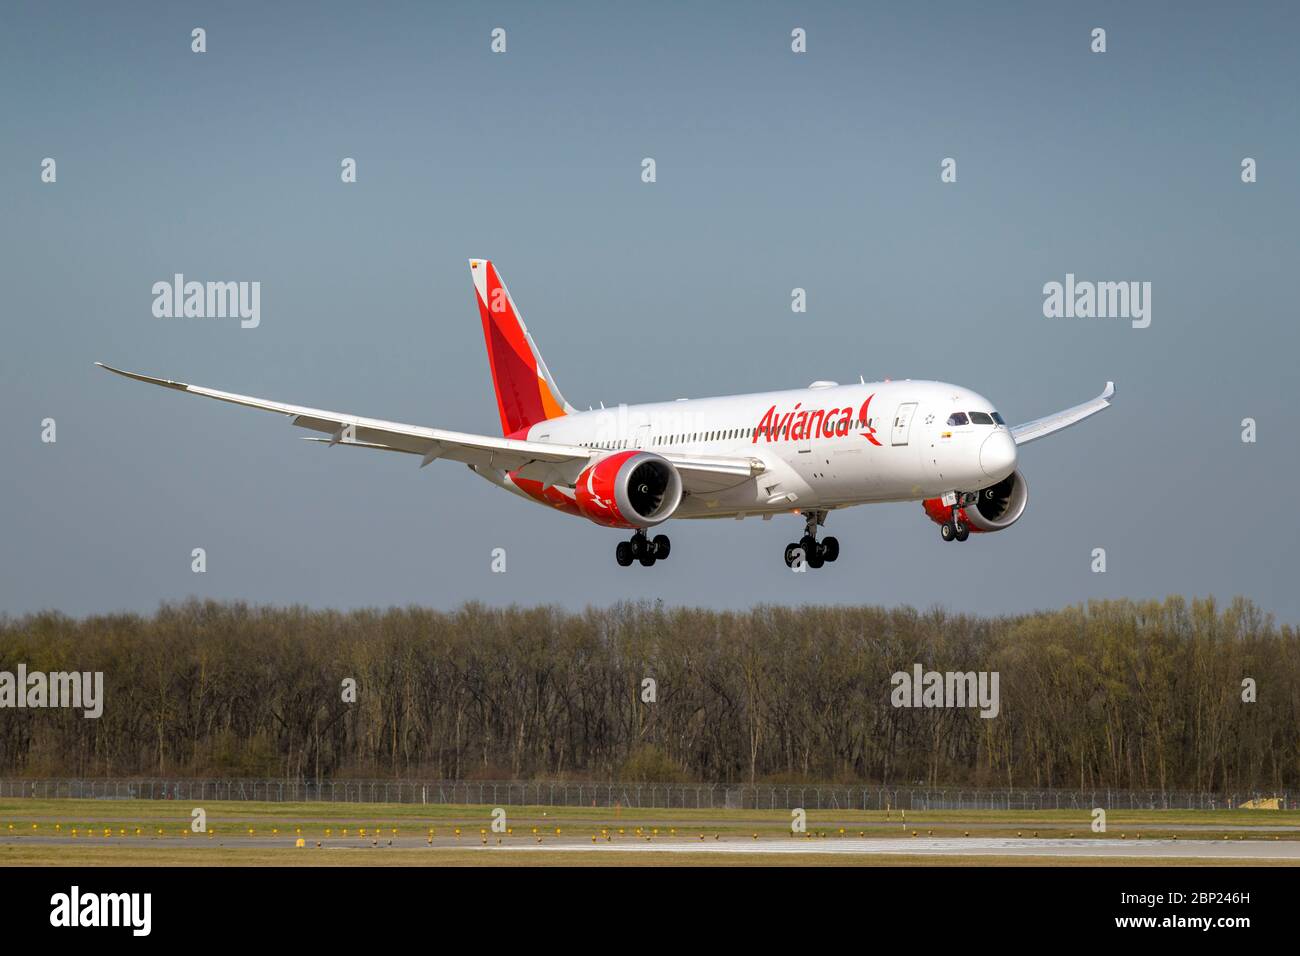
x: 1081, y: 847
x: 973, y: 846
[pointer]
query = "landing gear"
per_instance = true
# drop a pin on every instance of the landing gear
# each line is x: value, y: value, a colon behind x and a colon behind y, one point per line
x: 814, y: 553
x: 643, y: 549
x: 954, y: 529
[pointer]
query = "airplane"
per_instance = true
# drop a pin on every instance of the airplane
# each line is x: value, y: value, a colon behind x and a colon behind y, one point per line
x: 804, y: 452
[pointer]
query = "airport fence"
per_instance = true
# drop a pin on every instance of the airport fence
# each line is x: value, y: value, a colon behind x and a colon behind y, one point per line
x: 643, y: 796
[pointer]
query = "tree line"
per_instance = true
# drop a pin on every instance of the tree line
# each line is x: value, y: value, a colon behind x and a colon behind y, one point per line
x: 1123, y: 694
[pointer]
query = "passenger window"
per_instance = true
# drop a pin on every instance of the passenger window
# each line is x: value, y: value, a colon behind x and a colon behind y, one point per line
x: 980, y: 418
x: 957, y: 418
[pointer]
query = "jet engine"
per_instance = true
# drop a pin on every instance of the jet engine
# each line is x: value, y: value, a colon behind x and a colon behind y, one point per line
x: 995, y: 508
x: 629, y: 489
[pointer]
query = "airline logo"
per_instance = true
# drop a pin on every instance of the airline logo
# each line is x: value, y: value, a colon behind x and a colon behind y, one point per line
x: 870, y: 433
x: 800, y: 423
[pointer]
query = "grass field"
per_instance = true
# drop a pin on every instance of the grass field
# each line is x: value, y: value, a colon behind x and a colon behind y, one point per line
x: 158, y: 833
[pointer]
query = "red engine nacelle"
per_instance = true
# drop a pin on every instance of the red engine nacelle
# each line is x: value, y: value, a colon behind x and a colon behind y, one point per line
x: 629, y: 489
x: 996, y: 508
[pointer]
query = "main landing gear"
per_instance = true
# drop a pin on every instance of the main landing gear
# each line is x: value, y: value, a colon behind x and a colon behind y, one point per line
x: 643, y: 549
x: 954, y: 529
x: 813, y: 552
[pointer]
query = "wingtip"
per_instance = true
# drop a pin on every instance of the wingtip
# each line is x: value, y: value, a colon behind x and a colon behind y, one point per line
x: 1109, y: 391
x: 165, y: 382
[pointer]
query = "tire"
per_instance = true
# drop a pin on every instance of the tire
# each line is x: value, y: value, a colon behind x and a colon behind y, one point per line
x: 791, y: 552
x: 947, y: 532
x: 647, y: 559
x: 832, y: 546
x: 961, y: 533
x: 816, y: 557
x: 623, y: 554
x: 662, y: 546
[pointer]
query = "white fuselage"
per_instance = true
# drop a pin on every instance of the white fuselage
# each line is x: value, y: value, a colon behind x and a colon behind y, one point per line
x: 842, y: 452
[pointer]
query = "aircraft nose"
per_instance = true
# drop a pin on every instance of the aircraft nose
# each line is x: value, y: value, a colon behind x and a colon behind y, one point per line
x: 998, y: 455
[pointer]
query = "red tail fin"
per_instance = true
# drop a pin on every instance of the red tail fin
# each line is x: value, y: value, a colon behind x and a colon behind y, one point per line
x: 526, y: 393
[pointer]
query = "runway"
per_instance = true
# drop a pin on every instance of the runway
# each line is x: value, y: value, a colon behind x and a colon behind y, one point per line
x: 956, y: 847
x: 573, y: 846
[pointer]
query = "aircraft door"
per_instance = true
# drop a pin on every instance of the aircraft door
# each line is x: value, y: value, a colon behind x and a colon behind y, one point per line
x: 903, y: 422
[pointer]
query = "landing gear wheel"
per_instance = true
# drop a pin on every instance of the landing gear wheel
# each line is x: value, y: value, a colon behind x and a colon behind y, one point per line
x: 961, y: 532
x: 947, y: 531
x: 641, y: 546
x: 623, y: 554
x: 815, y: 553
x: 662, y: 546
x: 647, y: 558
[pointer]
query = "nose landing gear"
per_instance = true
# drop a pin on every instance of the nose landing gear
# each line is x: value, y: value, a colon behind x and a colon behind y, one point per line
x: 814, y: 553
x: 954, y: 529
x: 642, y: 548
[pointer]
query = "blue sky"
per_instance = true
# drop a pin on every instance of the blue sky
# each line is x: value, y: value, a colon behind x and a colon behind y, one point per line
x: 775, y: 171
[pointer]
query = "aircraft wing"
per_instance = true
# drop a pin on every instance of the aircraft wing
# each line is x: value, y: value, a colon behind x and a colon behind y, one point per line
x: 540, y: 461
x: 1040, y: 427
x: 706, y: 474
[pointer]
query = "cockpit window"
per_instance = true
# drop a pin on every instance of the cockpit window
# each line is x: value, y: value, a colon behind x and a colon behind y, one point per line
x: 957, y: 418
x: 998, y: 418
x: 980, y: 418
